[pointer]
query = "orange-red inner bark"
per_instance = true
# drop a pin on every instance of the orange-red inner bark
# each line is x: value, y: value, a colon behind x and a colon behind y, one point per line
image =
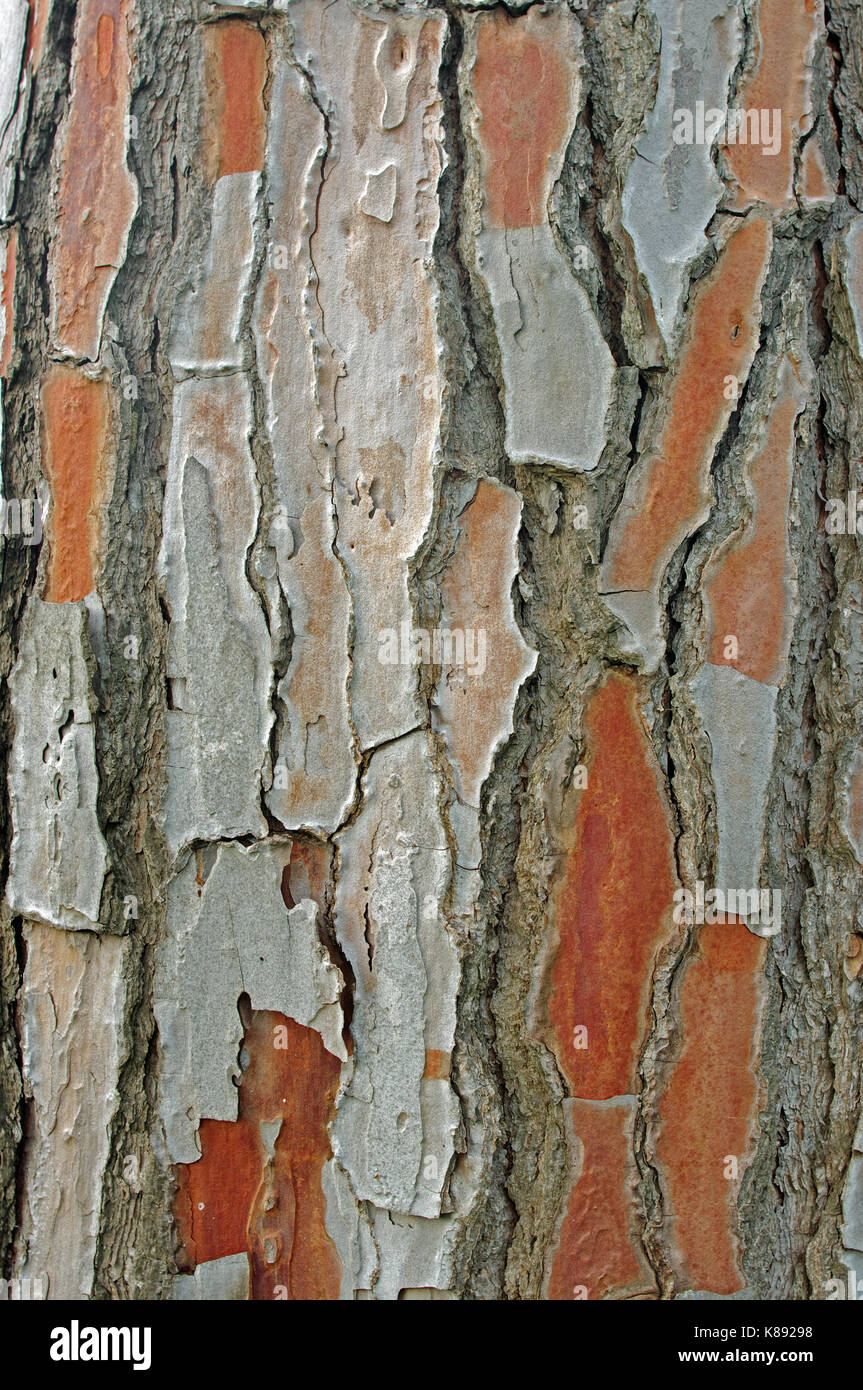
x: 76, y: 414
x: 748, y: 596
x: 236, y: 76
x: 722, y: 334
x: 521, y: 88
x: 237, y: 1198
x: 598, y: 1247
x: 615, y: 905
x: 707, y: 1110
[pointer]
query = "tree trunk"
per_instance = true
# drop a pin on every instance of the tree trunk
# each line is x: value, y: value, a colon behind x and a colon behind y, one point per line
x: 433, y: 640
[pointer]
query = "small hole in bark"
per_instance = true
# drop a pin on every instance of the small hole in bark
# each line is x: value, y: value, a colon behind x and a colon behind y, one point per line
x: 400, y: 52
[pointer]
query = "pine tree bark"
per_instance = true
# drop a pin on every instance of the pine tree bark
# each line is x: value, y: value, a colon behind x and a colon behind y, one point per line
x: 431, y: 637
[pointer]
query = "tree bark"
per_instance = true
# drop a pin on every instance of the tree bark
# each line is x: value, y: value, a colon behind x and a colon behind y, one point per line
x: 432, y: 631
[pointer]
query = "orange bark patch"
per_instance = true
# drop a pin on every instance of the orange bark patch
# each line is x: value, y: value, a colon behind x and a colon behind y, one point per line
x: 236, y: 73
x: 707, y: 1111
x: 614, y: 908
x: 817, y: 186
x: 215, y: 1194
x: 7, y: 325
x: 749, y: 593
x: 597, y: 1248
x: 76, y: 414
x: 721, y: 341
x: 437, y: 1067
x: 257, y: 1185
x: 36, y: 33
x: 96, y: 196
x: 522, y: 89
x: 307, y: 873
x: 781, y: 82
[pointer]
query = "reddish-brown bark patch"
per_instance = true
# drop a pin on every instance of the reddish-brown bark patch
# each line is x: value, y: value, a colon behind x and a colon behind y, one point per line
x: 76, y: 415
x: 36, y: 32
x: 96, y: 196
x: 781, y: 81
x: 6, y: 301
x: 437, y: 1067
x: 239, y: 1196
x: 722, y: 337
x: 749, y: 593
x: 598, y: 1254
x: 308, y: 872
x: 707, y: 1110
x: 522, y: 89
x: 613, y: 910
x: 235, y: 76
x: 214, y: 1195
x: 817, y: 186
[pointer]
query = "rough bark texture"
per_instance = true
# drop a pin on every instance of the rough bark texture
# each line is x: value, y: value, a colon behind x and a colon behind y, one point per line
x: 433, y: 821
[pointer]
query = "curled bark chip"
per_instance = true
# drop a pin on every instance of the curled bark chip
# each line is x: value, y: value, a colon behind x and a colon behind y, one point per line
x: 431, y: 444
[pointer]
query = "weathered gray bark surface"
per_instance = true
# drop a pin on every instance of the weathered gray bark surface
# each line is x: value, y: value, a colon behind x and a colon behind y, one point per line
x: 440, y: 463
